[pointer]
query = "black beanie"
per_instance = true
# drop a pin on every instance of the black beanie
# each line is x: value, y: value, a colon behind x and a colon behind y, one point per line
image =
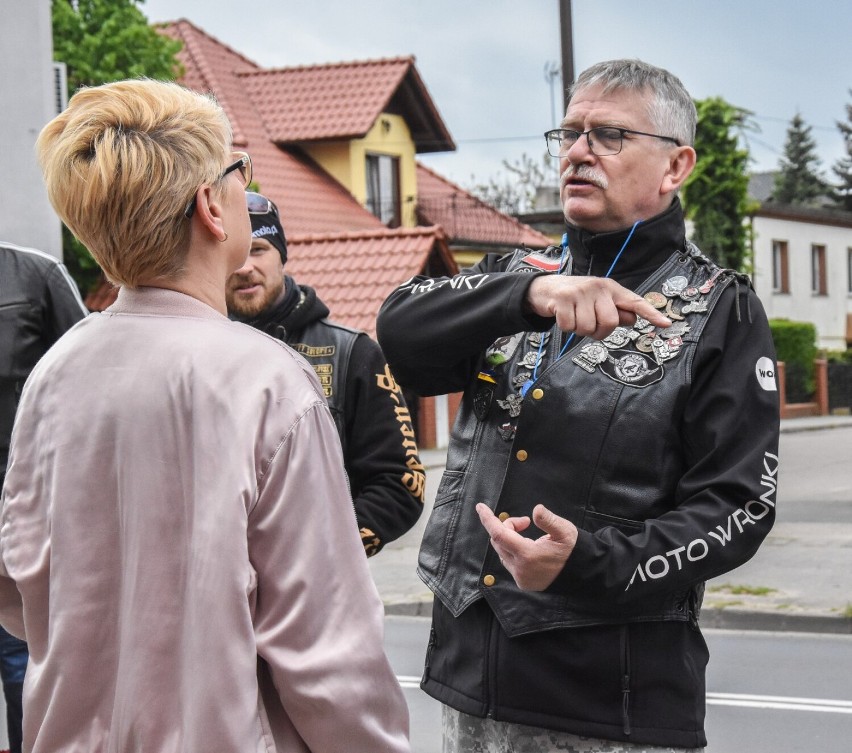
x: 268, y: 227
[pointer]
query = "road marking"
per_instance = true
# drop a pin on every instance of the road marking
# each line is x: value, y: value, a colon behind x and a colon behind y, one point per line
x: 780, y: 702
x: 734, y: 699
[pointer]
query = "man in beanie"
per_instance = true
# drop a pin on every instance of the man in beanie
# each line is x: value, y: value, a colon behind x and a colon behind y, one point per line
x: 380, y: 454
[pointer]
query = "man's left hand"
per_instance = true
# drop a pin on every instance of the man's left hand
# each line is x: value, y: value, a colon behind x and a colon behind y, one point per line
x: 533, y: 563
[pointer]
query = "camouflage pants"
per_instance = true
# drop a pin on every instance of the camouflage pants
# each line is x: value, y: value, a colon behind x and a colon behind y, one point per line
x: 470, y: 734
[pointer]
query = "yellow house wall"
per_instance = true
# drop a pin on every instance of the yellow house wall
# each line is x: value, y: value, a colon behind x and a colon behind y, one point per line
x: 335, y: 159
x: 346, y: 162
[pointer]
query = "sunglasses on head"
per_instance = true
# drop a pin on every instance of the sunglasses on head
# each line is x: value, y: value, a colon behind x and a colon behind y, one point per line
x: 258, y: 204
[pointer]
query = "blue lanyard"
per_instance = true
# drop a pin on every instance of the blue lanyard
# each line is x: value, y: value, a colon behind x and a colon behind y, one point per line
x: 529, y: 383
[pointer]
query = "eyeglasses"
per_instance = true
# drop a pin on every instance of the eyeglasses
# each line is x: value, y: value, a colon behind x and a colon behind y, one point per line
x: 258, y: 204
x: 243, y: 164
x: 603, y: 141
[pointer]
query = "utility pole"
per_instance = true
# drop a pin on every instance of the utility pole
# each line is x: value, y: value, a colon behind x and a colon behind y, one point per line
x: 567, y: 39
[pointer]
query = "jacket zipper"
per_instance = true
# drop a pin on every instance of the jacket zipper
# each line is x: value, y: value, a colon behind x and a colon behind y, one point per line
x: 429, y: 649
x: 491, y: 660
x: 625, y: 678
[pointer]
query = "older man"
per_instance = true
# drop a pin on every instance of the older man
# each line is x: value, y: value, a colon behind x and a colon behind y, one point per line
x: 617, y: 437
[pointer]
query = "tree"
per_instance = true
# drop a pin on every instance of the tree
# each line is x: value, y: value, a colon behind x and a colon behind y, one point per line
x: 799, y: 180
x: 842, y: 193
x: 109, y: 40
x: 518, y: 192
x: 715, y: 195
x: 101, y: 41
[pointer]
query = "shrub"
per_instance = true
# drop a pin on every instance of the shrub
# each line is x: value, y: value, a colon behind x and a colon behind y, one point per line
x: 839, y: 356
x: 795, y: 344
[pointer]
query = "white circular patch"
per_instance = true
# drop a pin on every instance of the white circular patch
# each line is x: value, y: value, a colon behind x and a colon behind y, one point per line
x: 765, y: 371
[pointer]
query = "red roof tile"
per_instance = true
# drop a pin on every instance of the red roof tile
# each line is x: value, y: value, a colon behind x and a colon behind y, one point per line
x: 308, y: 198
x: 343, y: 100
x: 312, y: 103
x: 353, y: 273
x: 467, y: 219
x: 335, y: 244
x: 333, y: 101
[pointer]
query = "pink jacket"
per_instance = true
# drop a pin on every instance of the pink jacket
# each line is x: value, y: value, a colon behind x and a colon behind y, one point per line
x: 179, y: 549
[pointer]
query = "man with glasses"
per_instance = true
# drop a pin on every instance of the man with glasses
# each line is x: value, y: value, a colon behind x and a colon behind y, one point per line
x: 616, y: 446
x: 385, y: 474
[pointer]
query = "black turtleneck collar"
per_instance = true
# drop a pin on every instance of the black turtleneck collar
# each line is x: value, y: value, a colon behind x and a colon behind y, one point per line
x: 652, y: 242
x: 299, y: 307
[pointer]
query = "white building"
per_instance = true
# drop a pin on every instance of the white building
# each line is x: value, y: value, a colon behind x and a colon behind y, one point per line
x: 28, y: 100
x: 803, y: 267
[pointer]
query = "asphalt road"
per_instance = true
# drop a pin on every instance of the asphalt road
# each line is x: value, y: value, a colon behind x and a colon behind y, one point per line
x: 767, y: 692
x: 815, y: 477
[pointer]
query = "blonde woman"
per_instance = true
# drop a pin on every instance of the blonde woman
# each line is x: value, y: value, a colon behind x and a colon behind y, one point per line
x: 178, y: 544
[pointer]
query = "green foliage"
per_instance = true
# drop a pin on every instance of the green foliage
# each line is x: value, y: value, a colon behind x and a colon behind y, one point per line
x: 839, y: 356
x: 843, y: 167
x: 795, y: 344
x: 109, y: 40
x: 81, y: 266
x: 799, y: 180
x: 101, y: 41
x: 715, y: 196
x: 742, y: 590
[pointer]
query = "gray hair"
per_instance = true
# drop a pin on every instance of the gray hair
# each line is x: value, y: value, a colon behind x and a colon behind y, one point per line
x: 671, y: 109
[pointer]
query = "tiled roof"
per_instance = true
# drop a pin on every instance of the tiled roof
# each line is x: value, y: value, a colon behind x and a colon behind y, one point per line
x: 353, y: 273
x: 339, y: 100
x: 335, y: 244
x: 466, y: 219
x: 308, y: 198
x: 211, y: 66
x: 314, y: 103
x: 760, y: 185
x: 342, y: 101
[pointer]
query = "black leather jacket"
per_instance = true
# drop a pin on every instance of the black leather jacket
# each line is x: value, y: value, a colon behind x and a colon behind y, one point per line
x: 38, y: 302
x: 661, y: 448
x: 386, y: 477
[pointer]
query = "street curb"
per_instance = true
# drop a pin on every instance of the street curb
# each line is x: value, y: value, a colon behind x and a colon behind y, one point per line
x: 741, y: 619
x: 794, y: 427
x: 711, y: 618
x: 409, y: 608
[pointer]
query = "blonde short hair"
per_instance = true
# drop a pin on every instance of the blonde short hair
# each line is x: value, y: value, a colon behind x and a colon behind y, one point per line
x: 121, y: 164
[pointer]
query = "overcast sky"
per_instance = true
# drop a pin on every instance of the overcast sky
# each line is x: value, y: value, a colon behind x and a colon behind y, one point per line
x: 484, y: 61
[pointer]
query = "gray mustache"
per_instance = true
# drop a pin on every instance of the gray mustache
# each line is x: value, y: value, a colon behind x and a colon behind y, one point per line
x: 584, y: 172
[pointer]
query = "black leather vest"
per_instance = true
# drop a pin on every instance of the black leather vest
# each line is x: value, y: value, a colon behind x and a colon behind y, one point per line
x: 327, y: 346
x: 595, y: 439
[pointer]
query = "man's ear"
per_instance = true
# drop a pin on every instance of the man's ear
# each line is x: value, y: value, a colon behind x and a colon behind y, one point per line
x: 209, y: 211
x: 681, y: 164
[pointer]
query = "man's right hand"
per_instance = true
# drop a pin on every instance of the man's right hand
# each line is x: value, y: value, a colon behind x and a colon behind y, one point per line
x: 533, y: 563
x: 589, y: 306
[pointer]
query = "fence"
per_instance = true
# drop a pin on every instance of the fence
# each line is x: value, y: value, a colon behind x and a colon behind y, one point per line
x: 832, y: 391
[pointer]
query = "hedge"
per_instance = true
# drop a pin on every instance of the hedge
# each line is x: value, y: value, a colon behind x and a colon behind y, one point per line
x: 795, y: 344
